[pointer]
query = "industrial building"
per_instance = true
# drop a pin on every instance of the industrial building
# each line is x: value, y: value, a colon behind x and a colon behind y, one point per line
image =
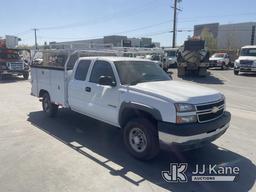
x: 106, y: 42
x: 230, y: 36
x: 211, y: 27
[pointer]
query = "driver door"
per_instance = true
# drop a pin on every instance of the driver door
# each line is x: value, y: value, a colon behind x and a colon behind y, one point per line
x: 104, y: 100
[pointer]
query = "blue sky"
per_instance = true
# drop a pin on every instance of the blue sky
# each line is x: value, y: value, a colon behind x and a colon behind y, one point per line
x: 63, y: 20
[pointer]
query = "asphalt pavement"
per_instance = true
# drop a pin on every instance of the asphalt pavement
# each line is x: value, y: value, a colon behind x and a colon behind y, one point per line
x: 76, y: 153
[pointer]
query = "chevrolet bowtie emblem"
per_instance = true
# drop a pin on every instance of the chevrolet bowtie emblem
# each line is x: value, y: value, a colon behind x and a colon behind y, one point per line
x: 215, y: 109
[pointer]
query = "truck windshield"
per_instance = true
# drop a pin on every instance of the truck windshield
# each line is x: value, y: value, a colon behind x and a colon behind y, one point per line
x: 9, y: 56
x: 171, y: 53
x: 156, y: 58
x: 134, y: 72
x: 248, y: 52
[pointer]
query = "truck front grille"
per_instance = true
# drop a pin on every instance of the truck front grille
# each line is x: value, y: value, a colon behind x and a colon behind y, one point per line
x: 16, y: 66
x: 210, y: 111
x: 246, y: 62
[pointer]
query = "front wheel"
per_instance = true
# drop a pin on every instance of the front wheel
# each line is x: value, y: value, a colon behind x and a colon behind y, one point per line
x: 141, y: 139
x: 26, y: 75
x: 49, y: 108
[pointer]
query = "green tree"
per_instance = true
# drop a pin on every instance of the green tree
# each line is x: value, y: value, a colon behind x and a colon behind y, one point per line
x: 211, y: 42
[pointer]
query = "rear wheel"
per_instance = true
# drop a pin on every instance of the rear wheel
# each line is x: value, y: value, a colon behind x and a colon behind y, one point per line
x: 49, y: 108
x: 236, y: 72
x: 181, y: 71
x: 141, y: 139
x: 223, y: 66
x: 202, y: 72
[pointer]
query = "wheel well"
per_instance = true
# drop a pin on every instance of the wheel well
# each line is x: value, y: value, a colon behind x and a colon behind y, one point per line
x: 130, y: 113
x: 42, y: 92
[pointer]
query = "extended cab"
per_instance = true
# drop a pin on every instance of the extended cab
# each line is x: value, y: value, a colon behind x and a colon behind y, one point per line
x: 137, y: 96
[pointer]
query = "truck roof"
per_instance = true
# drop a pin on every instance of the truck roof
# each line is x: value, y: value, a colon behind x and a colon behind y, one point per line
x: 249, y: 47
x: 113, y: 59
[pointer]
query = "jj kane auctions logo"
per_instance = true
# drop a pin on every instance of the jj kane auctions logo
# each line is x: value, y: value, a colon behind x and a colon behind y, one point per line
x: 178, y: 173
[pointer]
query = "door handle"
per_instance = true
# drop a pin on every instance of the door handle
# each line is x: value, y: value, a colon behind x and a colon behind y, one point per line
x: 88, y: 89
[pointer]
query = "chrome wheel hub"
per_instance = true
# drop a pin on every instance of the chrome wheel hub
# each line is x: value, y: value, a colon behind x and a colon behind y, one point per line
x: 137, y: 140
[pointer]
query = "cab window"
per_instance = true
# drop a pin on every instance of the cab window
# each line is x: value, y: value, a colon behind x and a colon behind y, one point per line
x: 82, y: 70
x: 101, y: 68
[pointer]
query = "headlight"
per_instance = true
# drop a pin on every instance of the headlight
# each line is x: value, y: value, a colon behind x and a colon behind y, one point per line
x: 186, y: 113
x: 183, y: 107
x: 237, y: 64
x: 186, y: 119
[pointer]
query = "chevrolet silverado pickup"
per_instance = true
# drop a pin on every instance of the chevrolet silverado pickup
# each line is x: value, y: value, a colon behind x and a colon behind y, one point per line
x: 246, y: 61
x: 138, y: 97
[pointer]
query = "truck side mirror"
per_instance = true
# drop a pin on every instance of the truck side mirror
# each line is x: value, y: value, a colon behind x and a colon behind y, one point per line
x: 107, y: 80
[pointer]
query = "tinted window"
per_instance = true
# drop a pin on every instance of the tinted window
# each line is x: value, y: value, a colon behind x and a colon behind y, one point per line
x: 82, y: 70
x: 248, y: 52
x: 101, y: 68
x: 72, y: 60
x: 221, y: 55
x: 133, y: 72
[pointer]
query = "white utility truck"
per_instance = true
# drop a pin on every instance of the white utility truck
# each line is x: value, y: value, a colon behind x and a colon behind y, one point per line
x: 171, y: 57
x: 246, y: 61
x: 135, y: 95
x: 221, y: 60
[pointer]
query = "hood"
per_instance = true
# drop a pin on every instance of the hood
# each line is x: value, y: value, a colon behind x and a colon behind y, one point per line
x: 250, y: 58
x: 178, y: 91
x: 216, y: 59
x: 157, y: 62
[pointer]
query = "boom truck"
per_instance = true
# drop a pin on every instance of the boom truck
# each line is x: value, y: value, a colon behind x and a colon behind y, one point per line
x: 193, y: 58
x: 11, y: 61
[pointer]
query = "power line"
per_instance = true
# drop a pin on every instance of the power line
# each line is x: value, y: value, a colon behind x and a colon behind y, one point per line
x: 183, y: 20
x: 117, y: 33
x: 103, y: 19
x: 88, y: 38
x: 23, y: 33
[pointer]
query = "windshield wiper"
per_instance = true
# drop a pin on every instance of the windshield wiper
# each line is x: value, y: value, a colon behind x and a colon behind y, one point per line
x: 136, y: 82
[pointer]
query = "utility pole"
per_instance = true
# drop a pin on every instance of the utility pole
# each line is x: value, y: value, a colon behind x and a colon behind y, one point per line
x: 35, y: 30
x: 174, y: 30
x: 174, y: 24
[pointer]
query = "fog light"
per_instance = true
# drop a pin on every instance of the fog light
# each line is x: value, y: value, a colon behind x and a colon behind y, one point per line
x: 186, y: 119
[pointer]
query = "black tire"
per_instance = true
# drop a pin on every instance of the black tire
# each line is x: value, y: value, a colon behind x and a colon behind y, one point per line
x: 181, y: 72
x: 150, y: 139
x: 166, y: 70
x: 223, y: 66
x: 49, y: 108
x: 236, y: 72
x: 26, y: 76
